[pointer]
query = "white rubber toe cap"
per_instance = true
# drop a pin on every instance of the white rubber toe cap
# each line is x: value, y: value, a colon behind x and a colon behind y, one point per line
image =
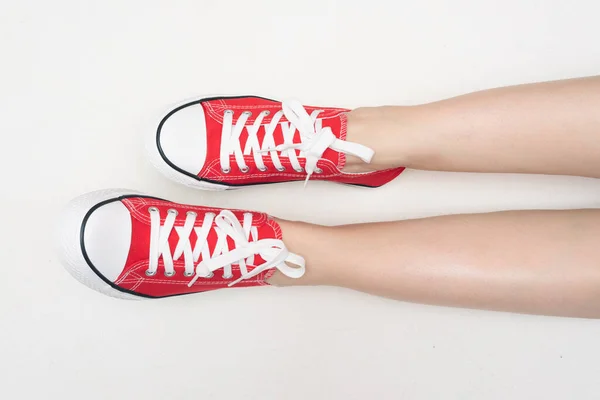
x: 182, y: 138
x: 107, y: 238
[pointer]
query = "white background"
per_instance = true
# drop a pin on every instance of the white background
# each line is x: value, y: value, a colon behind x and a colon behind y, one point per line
x: 80, y: 81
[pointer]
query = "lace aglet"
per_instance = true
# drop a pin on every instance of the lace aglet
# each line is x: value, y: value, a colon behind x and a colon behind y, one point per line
x: 307, y: 178
x: 192, y: 281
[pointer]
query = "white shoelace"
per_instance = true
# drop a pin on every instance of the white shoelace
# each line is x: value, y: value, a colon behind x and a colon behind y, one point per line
x: 273, y: 251
x: 314, y: 140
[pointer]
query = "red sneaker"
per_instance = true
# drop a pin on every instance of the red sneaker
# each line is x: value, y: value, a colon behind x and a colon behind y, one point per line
x: 226, y: 142
x: 129, y: 245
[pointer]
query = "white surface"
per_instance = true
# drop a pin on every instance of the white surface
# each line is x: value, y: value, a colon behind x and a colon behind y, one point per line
x: 79, y: 81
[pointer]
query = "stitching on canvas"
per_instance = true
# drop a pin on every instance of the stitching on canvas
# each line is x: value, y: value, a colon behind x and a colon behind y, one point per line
x: 217, y: 175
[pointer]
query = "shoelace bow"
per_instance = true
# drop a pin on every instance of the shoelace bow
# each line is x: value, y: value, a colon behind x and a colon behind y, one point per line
x: 226, y: 224
x: 314, y: 140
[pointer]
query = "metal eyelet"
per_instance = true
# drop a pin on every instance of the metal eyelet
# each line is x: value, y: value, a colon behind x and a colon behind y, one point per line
x: 245, y: 169
x: 263, y: 169
x: 228, y: 112
x: 150, y: 273
x: 248, y: 113
x: 193, y: 213
x: 188, y: 274
x: 152, y: 209
x: 210, y: 275
x: 299, y: 169
x: 318, y: 171
x: 169, y: 274
x: 225, y: 170
x: 281, y: 169
x: 266, y: 112
x: 172, y: 211
x: 227, y: 276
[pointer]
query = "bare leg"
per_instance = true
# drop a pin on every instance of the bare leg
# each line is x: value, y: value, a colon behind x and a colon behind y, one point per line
x: 551, y: 128
x: 543, y: 262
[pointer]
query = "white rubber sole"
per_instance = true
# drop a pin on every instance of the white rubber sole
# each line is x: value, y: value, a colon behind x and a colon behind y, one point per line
x: 69, y: 240
x: 160, y: 164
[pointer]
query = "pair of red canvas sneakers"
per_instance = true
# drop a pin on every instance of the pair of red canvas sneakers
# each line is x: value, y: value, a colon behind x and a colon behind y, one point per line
x: 130, y: 245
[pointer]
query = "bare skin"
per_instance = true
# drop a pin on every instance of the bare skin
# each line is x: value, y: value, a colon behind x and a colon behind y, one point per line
x: 542, y: 128
x: 542, y: 262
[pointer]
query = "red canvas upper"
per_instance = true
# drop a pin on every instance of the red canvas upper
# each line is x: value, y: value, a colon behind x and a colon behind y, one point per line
x: 134, y: 279
x: 331, y: 163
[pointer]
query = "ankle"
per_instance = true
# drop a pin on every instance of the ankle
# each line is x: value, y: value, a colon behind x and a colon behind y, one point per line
x: 308, y: 241
x: 367, y: 126
x: 391, y: 131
